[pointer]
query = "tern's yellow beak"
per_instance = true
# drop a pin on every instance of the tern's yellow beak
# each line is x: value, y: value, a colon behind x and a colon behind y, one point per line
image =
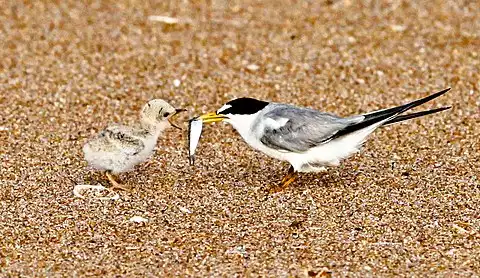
x: 212, y: 117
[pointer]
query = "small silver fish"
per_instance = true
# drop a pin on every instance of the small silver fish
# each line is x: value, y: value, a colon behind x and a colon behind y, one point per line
x: 194, y: 132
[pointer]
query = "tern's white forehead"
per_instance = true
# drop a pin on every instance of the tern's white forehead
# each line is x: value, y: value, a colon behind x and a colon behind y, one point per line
x: 223, y: 108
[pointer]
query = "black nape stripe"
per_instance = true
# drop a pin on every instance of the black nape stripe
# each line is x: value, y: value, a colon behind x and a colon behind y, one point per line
x: 244, y: 106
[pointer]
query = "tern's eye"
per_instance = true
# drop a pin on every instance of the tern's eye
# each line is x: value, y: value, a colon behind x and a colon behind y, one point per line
x: 166, y: 114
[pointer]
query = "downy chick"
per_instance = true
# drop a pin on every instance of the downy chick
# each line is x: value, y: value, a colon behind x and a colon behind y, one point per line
x: 119, y: 148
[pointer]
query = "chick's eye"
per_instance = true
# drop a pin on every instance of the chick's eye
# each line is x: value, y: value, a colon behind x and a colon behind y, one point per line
x: 166, y: 114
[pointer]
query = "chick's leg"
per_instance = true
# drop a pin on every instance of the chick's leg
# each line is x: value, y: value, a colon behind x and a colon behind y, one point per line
x: 115, y: 184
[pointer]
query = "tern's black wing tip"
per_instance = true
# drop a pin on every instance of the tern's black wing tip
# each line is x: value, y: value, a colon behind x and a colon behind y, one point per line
x: 442, y: 92
x: 393, y: 114
x: 402, y: 118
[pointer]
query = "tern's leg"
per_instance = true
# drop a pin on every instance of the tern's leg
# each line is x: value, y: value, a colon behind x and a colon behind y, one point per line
x: 289, y: 174
x: 115, y: 184
x: 286, y: 181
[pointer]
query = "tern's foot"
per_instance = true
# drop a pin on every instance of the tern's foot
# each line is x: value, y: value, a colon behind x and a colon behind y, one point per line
x: 275, y: 189
x: 116, y: 185
x: 286, y: 181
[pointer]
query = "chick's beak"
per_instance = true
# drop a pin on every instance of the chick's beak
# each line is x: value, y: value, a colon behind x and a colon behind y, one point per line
x: 171, y: 117
x: 212, y: 117
x: 180, y: 110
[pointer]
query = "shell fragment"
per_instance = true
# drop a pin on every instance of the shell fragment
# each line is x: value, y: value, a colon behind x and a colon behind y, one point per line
x: 138, y: 219
x: 96, y: 190
x: 194, y: 133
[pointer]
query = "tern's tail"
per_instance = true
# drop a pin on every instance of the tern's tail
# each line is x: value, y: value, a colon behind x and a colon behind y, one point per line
x: 380, y: 115
x: 415, y: 115
x: 392, y: 115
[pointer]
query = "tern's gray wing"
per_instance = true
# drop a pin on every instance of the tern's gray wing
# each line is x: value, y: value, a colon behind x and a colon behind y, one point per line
x: 295, y: 129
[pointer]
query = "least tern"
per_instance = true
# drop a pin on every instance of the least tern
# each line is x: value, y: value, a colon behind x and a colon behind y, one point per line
x: 308, y: 139
x: 119, y: 148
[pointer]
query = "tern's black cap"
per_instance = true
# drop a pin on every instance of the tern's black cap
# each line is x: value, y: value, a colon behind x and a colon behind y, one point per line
x: 244, y: 106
